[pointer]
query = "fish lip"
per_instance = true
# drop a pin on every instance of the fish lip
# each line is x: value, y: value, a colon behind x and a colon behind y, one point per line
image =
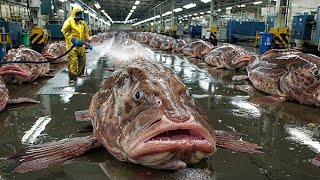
x: 142, y: 146
x: 49, y: 56
x: 243, y: 58
x: 14, y: 70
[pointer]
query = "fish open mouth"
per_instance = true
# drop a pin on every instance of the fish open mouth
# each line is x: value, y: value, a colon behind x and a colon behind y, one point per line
x: 169, y: 145
x: 244, y: 59
x: 14, y: 71
x: 49, y: 56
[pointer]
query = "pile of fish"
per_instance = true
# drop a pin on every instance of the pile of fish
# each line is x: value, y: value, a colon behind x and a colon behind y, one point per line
x: 284, y: 74
x: 143, y: 114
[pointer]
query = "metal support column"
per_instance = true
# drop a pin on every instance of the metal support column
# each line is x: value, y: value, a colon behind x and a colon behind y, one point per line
x: 161, y: 20
x: 281, y: 33
x: 213, y: 22
x: 173, y: 23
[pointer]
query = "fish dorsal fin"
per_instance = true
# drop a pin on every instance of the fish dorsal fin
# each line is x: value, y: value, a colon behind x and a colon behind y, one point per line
x: 52, y: 153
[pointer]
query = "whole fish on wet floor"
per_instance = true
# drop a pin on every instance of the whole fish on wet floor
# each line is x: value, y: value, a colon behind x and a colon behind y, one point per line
x: 24, y: 72
x: 229, y: 56
x: 286, y: 75
x: 142, y: 114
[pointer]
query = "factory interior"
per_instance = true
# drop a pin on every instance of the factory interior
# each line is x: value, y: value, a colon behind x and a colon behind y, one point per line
x: 159, y: 89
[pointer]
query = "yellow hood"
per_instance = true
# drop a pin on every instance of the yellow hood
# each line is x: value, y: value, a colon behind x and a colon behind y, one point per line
x: 75, y: 10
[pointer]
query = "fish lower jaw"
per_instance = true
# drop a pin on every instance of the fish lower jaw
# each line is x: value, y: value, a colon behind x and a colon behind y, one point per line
x: 169, y: 160
x: 49, y: 56
x: 14, y: 71
x: 156, y: 150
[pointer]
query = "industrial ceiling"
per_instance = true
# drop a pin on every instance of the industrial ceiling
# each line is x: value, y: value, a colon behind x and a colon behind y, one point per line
x: 118, y: 10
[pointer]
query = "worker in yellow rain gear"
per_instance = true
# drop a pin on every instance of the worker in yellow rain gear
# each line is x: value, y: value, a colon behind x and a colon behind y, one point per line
x: 75, y: 27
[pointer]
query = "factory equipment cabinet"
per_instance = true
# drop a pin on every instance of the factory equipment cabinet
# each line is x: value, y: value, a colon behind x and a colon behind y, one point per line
x: 15, y: 30
x: 55, y: 29
x: 302, y: 27
x: 195, y: 31
x: 246, y: 30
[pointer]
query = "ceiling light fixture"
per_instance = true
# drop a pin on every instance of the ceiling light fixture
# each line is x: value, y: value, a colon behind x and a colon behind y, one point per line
x: 177, y: 9
x: 257, y: 2
x: 188, y: 6
x: 97, y: 5
x: 205, y: 1
x: 137, y: 3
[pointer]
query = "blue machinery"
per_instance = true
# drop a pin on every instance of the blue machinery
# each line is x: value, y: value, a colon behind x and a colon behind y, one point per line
x: 305, y: 31
x: 195, y: 31
x: 15, y: 30
x: 237, y: 30
x: 55, y: 29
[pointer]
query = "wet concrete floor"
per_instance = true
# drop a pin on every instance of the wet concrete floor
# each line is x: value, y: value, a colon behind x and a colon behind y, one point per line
x: 289, y: 132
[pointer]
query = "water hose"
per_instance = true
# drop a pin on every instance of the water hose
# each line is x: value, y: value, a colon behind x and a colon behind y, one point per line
x: 40, y: 62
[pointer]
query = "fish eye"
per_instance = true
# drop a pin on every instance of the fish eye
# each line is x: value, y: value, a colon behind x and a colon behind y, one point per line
x: 316, y: 72
x: 138, y: 95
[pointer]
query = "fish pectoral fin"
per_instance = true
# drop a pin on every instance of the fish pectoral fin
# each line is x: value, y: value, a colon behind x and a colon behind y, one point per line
x: 22, y: 100
x: 268, y: 100
x: 232, y: 141
x: 316, y: 161
x: 251, y: 90
x: 83, y: 115
x: 240, y: 78
x: 52, y: 153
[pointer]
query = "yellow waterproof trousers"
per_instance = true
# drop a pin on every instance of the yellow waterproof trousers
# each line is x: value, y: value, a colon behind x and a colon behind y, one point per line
x: 77, y: 61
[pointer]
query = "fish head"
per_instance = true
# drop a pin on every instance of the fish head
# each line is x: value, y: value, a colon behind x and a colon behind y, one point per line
x: 302, y: 81
x: 167, y: 44
x: 13, y: 73
x: 213, y: 58
x: 158, y: 123
x: 4, y: 94
x: 53, y: 50
x: 179, y: 45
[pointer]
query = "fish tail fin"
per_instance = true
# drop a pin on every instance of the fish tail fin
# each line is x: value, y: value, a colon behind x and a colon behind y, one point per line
x: 52, y: 153
x: 22, y: 100
x: 83, y: 115
x: 232, y: 141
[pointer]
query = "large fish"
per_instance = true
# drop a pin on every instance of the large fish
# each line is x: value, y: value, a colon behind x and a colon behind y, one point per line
x: 167, y: 44
x: 286, y: 75
x: 24, y: 72
x: 179, y: 45
x: 156, y: 41
x: 54, y: 50
x: 229, y: 56
x: 197, y: 49
x: 143, y: 114
x: 4, y: 97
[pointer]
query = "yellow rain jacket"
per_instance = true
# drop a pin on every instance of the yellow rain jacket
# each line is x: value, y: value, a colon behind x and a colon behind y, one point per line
x: 78, y: 30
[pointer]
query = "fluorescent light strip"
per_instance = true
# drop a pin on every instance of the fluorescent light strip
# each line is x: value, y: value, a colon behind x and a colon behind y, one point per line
x: 257, y: 2
x: 137, y: 3
x: 178, y: 10
x: 188, y: 6
x: 205, y: 1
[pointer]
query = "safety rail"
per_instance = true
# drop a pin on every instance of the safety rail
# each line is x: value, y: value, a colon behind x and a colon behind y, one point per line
x: 5, y: 38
